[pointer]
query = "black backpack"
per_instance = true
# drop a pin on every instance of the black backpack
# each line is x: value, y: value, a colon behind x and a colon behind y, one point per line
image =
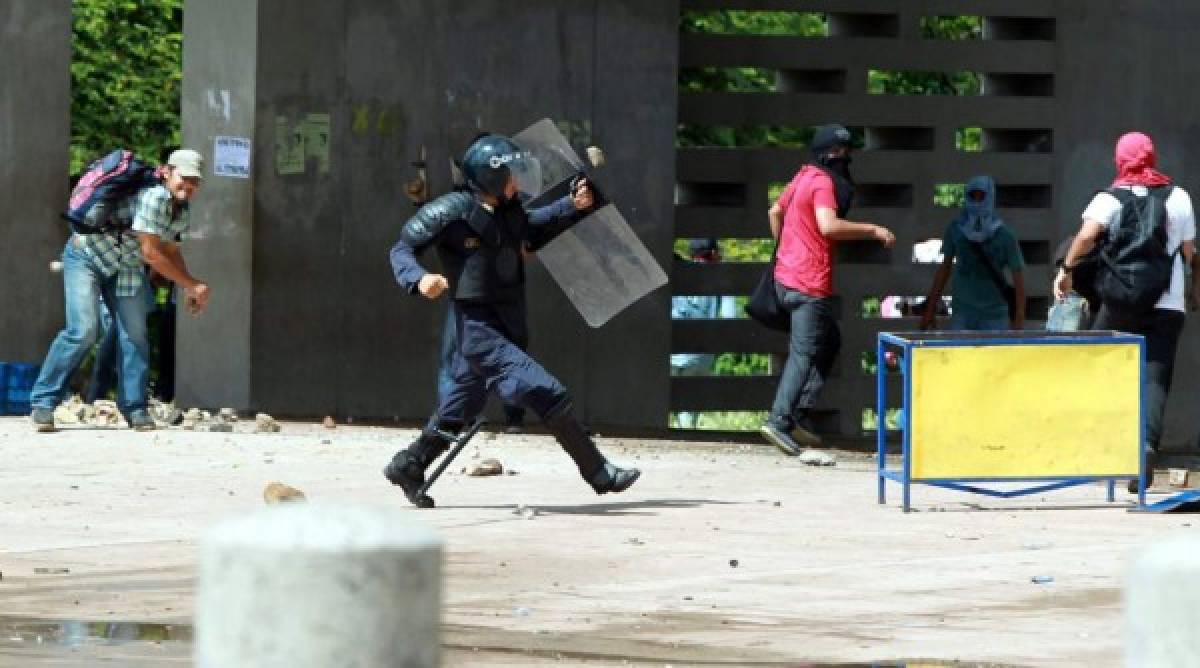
x: 1134, y: 268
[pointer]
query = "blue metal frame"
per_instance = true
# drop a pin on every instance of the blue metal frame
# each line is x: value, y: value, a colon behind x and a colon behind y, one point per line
x: 1047, y: 483
x: 1170, y: 503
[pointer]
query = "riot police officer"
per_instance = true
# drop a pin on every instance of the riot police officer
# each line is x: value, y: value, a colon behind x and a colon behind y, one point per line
x: 480, y: 236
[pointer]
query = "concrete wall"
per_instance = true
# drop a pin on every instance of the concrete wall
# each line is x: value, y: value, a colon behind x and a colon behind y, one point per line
x: 214, y: 367
x: 1147, y: 84
x: 35, y: 107
x: 306, y: 319
x: 325, y: 327
x: 1078, y: 74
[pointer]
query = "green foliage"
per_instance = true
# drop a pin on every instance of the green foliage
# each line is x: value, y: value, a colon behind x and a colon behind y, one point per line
x: 734, y: 250
x: 126, y: 78
x: 728, y: 79
x: 742, y: 364
x: 747, y: 250
x: 952, y: 27
x: 743, y: 22
x: 869, y: 362
x: 891, y: 420
x: 903, y: 82
x: 743, y: 79
x: 726, y: 420
x: 949, y: 194
x: 969, y: 139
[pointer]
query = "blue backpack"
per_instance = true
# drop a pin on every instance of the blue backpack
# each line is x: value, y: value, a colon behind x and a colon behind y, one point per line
x: 106, y: 181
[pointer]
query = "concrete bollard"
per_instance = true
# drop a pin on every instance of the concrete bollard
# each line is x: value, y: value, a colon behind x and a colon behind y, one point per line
x: 1162, y: 605
x: 319, y: 585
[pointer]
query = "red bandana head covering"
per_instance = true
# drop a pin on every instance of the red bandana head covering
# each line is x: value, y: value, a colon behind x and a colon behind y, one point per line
x: 1135, y: 162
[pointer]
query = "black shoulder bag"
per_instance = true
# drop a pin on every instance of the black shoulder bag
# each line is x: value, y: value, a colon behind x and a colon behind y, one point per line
x: 764, y: 305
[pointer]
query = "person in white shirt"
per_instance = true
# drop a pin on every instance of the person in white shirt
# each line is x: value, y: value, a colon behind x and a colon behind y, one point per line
x: 1161, y: 326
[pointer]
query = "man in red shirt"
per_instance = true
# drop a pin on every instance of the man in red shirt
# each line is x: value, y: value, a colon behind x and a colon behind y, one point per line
x: 806, y: 221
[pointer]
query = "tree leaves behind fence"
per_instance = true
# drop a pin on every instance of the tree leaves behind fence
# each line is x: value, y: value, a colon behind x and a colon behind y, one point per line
x: 126, y: 78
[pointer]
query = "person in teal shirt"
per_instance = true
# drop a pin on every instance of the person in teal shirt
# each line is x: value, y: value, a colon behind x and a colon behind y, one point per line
x: 980, y: 258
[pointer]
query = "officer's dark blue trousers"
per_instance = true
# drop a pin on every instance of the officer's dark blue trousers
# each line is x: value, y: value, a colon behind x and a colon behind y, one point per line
x: 487, y: 359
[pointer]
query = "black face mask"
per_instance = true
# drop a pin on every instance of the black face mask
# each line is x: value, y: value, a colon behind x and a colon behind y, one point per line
x: 838, y: 169
x: 839, y: 164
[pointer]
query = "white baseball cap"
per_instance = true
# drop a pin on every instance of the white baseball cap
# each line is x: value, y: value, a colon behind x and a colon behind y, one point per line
x: 187, y: 162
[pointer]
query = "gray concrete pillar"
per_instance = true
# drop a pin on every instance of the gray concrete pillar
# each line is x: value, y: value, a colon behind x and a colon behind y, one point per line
x: 1162, y: 605
x: 35, y: 134
x: 312, y: 585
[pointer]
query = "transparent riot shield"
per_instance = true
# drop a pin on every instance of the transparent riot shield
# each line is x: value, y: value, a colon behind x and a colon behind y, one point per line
x: 599, y: 262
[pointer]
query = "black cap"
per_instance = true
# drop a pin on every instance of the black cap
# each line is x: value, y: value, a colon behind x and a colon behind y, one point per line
x: 829, y: 136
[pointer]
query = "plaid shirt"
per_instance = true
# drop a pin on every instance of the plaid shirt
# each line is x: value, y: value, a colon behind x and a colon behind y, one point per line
x: 148, y: 211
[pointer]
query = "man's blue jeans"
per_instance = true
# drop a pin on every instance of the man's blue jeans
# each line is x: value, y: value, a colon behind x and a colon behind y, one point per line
x: 84, y: 286
x: 814, y: 344
x: 104, y: 368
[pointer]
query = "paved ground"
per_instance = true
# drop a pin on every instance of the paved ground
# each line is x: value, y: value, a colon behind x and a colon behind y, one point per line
x: 821, y: 573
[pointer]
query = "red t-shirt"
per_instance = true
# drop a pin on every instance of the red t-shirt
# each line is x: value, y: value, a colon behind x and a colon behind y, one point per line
x: 805, y: 259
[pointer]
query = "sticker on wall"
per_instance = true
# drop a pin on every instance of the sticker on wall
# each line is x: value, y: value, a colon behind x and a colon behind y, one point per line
x: 316, y: 140
x: 231, y: 157
x: 289, y: 146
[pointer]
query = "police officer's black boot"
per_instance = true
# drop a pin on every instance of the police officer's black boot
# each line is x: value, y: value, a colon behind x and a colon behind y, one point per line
x: 407, y: 468
x: 601, y: 474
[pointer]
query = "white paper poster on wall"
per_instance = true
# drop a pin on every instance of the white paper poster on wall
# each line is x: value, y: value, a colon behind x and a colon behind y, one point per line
x: 231, y: 157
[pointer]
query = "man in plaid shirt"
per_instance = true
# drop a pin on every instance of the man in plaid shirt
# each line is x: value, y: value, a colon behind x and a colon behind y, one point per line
x: 149, y: 225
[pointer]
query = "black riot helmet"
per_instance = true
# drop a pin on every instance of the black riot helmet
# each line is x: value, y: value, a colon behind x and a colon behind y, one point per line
x: 491, y: 160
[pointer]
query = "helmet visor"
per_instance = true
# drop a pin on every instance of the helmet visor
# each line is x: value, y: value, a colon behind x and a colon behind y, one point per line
x: 526, y: 172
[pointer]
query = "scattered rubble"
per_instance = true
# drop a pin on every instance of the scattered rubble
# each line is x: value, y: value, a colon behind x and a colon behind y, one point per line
x: 277, y: 492
x: 74, y: 411
x: 163, y: 414
x: 195, y: 419
x: 1179, y: 477
x: 190, y: 417
x: 817, y: 458
x: 265, y: 424
x: 485, y: 467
